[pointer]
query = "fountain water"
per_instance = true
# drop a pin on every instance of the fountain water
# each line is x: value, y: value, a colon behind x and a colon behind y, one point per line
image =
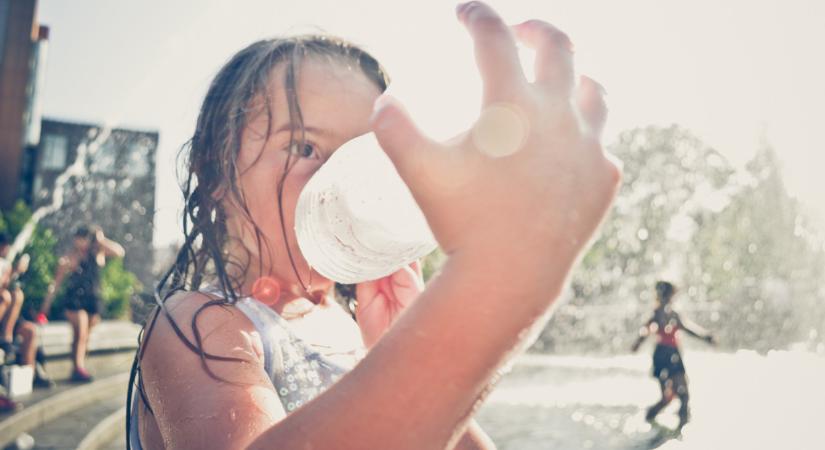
x: 77, y: 169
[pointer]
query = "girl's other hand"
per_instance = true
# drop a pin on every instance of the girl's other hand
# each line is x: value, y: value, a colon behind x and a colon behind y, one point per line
x: 381, y: 301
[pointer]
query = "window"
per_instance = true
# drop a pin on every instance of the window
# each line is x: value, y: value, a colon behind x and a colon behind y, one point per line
x: 54, y: 149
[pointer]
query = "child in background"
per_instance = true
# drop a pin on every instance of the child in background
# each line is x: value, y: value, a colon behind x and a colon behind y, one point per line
x: 668, y: 367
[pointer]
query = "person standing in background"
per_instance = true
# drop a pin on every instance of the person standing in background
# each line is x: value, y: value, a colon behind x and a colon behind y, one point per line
x: 668, y: 367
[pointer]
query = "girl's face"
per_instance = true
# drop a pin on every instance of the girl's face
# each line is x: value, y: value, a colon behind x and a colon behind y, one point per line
x: 81, y: 244
x: 335, y: 102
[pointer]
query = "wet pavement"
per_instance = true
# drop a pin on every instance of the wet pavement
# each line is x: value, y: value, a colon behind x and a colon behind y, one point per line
x: 738, y: 401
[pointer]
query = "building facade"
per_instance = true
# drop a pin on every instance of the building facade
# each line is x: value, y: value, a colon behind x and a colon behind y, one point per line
x: 19, y: 38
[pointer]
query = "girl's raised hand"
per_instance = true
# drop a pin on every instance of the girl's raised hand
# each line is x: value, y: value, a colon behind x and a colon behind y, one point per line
x: 529, y: 182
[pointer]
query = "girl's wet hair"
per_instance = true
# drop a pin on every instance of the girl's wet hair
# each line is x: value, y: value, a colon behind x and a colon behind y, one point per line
x: 212, y: 175
x: 88, y: 232
x: 665, y: 291
x: 85, y: 232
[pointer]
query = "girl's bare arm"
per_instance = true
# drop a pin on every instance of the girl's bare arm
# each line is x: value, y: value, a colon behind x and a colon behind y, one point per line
x: 64, y: 265
x: 110, y: 248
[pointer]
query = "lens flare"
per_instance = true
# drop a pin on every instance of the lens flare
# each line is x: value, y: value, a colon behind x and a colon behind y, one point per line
x: 266, y: 290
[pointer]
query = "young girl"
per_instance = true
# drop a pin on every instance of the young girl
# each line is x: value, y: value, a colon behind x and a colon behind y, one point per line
x: 667, y: 360
x: 248, y: 350
x: 80, y: 268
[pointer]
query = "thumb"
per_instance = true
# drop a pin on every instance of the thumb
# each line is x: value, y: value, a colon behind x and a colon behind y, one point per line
x: 410, y: 151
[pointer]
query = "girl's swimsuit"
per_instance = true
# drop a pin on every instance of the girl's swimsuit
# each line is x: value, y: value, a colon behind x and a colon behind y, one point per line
x: 298, y: 372
x: 83, y: 286
x: 667, y: 361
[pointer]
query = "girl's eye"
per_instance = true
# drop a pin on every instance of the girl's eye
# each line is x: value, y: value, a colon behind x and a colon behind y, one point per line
x: 307, y: 150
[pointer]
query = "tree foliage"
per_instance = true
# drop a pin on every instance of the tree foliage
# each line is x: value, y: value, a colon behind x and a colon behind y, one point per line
x: 737, y: 244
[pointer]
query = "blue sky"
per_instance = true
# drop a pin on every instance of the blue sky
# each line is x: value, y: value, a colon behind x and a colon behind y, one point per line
x: 731, y: 71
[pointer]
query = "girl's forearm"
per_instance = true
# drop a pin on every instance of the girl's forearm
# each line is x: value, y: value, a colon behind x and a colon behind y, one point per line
x: 52, y: 290
x: 422, y: 382
x: 112, y: 248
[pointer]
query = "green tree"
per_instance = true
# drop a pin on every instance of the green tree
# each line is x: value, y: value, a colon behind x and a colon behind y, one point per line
x: 118, y: 286
x: 748, y: 261
x: 41, y: 268
x: 760, y: 261
x: 41, y: 250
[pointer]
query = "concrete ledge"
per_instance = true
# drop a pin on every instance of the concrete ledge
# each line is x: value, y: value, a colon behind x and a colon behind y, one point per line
x: 105, y: 431
x: 52, y: 407
x: 100, y: 364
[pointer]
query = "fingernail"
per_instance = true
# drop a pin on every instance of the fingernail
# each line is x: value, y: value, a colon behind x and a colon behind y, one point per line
x: 380, y: 104
x: 458, y: 8
x: 462, y: 9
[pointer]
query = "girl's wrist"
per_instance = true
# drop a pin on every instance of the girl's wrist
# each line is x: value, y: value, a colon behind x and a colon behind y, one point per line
x: 520, y: 271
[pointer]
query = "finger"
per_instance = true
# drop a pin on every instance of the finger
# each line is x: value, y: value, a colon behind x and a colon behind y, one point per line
x: 408, y: 277
x: 554, y: 55
x: 412, y: 153
x: 416, y: 267
x: 592, y: 107
x: 365, y: 293
x: 495, y: 51
x: 373, y: 312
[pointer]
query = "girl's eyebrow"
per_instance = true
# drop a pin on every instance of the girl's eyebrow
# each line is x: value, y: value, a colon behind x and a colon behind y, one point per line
x: 309, y: 129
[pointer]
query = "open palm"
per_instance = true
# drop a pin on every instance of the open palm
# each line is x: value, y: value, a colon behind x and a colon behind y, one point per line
x: 381, y: 301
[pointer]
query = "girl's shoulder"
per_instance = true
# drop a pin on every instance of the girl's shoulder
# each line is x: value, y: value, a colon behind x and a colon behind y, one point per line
x: 193, y: 321
x: 210, y: 310
x: 224, y: 374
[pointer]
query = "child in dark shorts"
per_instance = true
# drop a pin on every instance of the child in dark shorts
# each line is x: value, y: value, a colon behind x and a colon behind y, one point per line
x: 668, y: 367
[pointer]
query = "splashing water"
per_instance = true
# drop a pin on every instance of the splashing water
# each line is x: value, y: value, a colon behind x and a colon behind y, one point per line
x: 77, y: 169
x: 173, y: 47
